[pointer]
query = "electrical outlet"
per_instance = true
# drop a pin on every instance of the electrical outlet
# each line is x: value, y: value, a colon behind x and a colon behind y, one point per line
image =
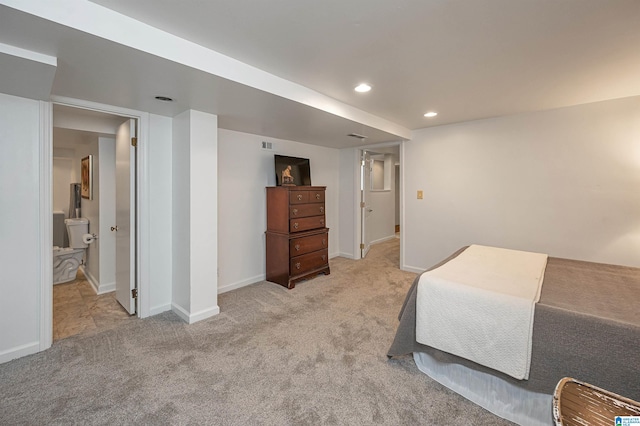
x: 420, y: 195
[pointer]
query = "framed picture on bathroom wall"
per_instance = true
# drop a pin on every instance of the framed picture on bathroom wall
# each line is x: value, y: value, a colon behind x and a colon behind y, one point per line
x: 86, y: 173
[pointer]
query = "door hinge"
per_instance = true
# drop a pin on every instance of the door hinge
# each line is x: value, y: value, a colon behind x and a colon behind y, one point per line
x: 134, y: 141
x: 362, y: 204
x: 134, y: 293
x: 361, y: 246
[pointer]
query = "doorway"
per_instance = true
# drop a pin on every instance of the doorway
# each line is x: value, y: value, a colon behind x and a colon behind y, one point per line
x: 379, y: 191
x: 96, y: 298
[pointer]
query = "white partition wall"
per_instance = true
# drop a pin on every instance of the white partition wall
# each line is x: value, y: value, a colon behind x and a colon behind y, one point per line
x: 20, y: 251
x: 195, y: 212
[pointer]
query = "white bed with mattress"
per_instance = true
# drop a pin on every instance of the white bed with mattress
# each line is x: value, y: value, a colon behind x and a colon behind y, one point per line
x: 585, y: 324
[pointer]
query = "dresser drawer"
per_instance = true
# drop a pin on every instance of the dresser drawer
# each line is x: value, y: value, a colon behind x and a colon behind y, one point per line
x: 306, y: 223
x: 305, y: 210
x: 316, y: 196
x: 309, y: 262
x: 299, y: 197
x: 305, y: 245
x: 303, y: 197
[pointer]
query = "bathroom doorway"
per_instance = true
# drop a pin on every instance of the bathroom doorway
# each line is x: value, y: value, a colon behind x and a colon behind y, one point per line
x: 88, y: 302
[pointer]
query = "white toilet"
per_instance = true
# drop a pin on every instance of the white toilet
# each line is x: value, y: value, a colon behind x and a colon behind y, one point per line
x: 66, y: 261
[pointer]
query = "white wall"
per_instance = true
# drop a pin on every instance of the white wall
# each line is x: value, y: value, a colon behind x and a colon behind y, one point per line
x: 180, y: 217
x: 244, y: 170
x: 61, y: 182
x: 20, y: 227
x: 564, y: 182
x: 90, y: 208
x: 381, y: 222
x: 204, y: 215
x: 194, y: 222
x: 160, y: 177
x: 348, y: 172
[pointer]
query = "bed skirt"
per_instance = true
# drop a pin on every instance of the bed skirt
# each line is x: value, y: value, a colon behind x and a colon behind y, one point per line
x: 495, y: 395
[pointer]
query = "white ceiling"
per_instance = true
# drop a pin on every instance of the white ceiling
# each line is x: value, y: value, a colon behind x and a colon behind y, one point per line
x: 466, y: 59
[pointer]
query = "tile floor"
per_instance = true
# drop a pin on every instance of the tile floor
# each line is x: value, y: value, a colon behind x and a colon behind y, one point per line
x: 78, y: 309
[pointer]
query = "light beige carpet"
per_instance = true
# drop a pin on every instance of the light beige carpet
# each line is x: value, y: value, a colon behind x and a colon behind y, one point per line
x: 313, y: 355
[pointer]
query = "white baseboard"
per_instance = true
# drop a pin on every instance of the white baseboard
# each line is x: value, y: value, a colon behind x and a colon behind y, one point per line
x: 19, y: 351
x: 107, y: 288
x: 204, y: 314
x: 382, y: 240
x: 347, y: 255
x: 95, y: 284
x: 198, y: 316
x: 159, y: 309
x: 180, y: 311
x: 240, y: 284
x: 413, y: 269
x: 92, y: 281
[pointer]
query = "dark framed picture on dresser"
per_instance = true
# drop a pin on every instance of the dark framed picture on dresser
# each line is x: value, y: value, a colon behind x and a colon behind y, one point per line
x: 292, y: 171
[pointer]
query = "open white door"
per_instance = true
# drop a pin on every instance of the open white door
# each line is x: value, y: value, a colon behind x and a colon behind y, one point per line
x: 125, y: 228
x: 365, y: 209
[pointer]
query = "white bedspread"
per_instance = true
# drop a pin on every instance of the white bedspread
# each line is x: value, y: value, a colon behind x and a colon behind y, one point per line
x: 480, y: 306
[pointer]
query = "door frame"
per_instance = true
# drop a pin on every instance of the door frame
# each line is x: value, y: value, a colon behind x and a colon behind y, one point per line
x: 357, y: 186
x: 46, y: 210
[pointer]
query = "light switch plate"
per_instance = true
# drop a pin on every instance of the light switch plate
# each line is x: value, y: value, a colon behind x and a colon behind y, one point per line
x: 420, y: 195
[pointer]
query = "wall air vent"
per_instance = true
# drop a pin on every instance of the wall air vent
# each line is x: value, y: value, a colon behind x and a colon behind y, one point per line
x: 355, y: 135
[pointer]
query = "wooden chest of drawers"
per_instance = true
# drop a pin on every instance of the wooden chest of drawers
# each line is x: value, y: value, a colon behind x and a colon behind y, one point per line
x: 297, y: 236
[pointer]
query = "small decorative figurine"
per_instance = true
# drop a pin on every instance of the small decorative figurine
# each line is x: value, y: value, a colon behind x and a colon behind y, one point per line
x: 287, y: 179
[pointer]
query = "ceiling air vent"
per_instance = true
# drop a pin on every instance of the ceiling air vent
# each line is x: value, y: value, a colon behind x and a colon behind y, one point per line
x: 355, y: 135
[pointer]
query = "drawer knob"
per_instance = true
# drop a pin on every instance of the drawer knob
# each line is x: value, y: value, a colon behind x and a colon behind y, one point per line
x: 324, y: 241
x: 295, y: 225
x: 295, y: 212
x: 324, y: 257
x: 321, y: 209
x: 299, y: 197
x: 298, y: 265
x: 297, y: 247
x: 321, y: 221
x: 317, y: 196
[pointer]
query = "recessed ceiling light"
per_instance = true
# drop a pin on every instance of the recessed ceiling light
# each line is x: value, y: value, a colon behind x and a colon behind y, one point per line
x: 164, y: 98
x: 431, y: 114
x: 362, y: 88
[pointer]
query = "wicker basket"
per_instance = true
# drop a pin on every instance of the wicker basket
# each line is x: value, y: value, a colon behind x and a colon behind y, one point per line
x: 579, y: 403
